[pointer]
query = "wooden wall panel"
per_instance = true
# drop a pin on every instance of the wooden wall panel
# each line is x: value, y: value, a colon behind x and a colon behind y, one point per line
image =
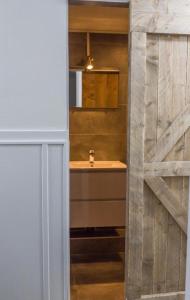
x: 100, y: 90
x: 99, y: 19
x: 103, y: 130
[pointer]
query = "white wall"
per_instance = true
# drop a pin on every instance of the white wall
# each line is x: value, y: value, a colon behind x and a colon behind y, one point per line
x: 33, y: 64
x: 34, y: 225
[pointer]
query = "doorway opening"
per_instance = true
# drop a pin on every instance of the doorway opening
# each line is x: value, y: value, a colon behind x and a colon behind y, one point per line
x: 98, y: 73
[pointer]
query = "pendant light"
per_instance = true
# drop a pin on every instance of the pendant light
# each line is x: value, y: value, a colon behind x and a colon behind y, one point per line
x: 90, y: 61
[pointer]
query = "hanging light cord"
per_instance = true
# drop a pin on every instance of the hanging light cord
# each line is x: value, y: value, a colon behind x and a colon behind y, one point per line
x: 88, y: 44
x: 89, y: 62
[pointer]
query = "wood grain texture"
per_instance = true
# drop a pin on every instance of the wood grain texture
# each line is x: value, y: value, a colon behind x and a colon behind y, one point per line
x: 96, y: 213
x: 136, y: 163
x: 163, y: 120
x: 166, y: 143
x: 160, y: 23
x: 148, y: 240
x: 103, y: 129
x: 176, y: 184
x: 149, y: 6
x: 100, y: 90
x: 171, y: 136
x: 165, y: 296
x: 167, y: 169
x: 185, y: 198
x: 171, y: 86
x: 162, y: 6
x: 160, y: 248
x: 99, y: 19
x: 169, y: 201
x: 150, y: 141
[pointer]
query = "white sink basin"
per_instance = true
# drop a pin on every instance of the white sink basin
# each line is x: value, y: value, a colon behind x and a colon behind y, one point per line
x: 78, y: 165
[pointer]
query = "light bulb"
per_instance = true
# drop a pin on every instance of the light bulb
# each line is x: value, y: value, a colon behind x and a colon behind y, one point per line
x: 89, y: 63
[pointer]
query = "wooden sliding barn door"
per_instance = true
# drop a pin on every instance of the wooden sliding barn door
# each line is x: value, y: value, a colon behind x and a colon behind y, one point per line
x: 159, y: 149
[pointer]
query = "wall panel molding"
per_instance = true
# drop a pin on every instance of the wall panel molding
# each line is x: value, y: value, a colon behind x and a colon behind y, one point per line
x: 88, y: 18
x: 33, y: 136
x: 45, y: 223
x: 57, y: 143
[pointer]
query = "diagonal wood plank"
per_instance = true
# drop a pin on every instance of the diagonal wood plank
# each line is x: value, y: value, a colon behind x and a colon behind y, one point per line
x: 169, y: 200
x: 167, y: 169
x: 170, y: 137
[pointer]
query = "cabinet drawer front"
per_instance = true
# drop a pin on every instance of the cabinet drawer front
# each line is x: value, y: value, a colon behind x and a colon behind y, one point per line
x: 96, y: 213
x: 97, y: 185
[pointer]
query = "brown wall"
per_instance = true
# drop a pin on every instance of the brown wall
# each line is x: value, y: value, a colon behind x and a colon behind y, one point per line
x: 103, y: 130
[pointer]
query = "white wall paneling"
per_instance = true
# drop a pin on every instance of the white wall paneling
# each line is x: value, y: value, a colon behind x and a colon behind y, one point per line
x: 34, y: 216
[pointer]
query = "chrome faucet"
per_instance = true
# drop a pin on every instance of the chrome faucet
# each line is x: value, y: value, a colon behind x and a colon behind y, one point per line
x: 91, y: 157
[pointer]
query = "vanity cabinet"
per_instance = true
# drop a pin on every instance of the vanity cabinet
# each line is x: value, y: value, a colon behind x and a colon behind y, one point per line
x: 97, y: 197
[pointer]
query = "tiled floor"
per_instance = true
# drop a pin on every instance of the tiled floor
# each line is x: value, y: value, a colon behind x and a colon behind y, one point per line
x: 97, y: 277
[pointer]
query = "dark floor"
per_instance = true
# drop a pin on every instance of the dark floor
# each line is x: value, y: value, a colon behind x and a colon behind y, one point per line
x: 97, y: 276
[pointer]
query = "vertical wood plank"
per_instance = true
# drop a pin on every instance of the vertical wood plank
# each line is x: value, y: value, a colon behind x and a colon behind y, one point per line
x: 150, y: 141
x: 185, y: 197
x: 164, y: 84
x: 151, y: 100
x: 179, y: 59
x: 148, y: 241
x: 187, y: 286
x: 136, y: 162
x: 160, y: 246
x: 163, y: 121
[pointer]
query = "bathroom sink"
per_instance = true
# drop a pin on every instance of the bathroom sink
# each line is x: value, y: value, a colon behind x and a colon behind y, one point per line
x: 79, y: 165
